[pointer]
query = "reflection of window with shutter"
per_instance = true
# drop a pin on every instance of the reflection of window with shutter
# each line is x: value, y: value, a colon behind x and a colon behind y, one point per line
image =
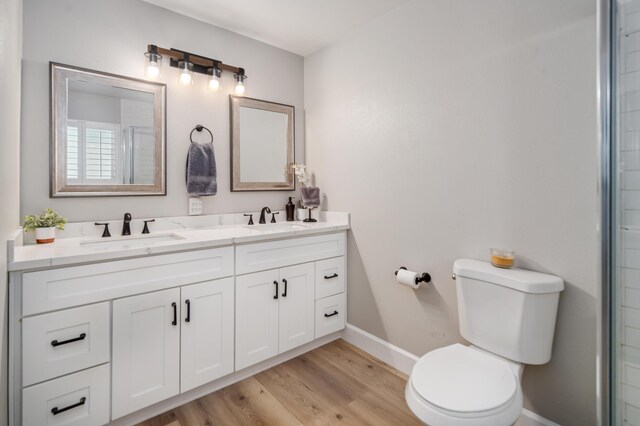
x: 92, y: 153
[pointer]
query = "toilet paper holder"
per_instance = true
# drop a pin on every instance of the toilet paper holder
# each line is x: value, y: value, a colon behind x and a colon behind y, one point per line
x: 423, y: 278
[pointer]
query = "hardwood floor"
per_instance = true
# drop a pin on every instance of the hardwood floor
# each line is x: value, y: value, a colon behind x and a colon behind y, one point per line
x: 334, y: 384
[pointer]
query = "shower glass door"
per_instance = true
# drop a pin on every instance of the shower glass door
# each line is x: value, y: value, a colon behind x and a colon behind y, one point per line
x: 625, y: 213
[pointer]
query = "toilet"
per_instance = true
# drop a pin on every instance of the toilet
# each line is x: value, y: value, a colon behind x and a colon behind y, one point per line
x: 508, y: 316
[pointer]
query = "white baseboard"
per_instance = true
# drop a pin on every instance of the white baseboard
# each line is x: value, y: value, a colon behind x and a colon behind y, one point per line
x: 402, y: 360
x: 396, y: 357
x: 537, y: 420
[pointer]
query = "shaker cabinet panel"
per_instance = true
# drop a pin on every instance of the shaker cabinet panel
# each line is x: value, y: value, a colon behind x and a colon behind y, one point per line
x: 257, y: 297
x: 79, y: 399
x: 276, y: 254
x: 330, y: 277
x: 62, y: 342
x: 330, y: 314
x: 78, y: 285
x: 146, y: 350
x: 206, y: 332
x: 296, y: 310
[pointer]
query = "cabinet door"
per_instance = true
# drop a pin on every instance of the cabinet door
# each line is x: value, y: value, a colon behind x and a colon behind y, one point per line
x: 297, y: 304
x: 257, y: 299
x: 207, y: 332
x: 146, y: 350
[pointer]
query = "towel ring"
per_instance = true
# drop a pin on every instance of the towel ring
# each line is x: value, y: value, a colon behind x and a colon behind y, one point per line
x: 199, y: 128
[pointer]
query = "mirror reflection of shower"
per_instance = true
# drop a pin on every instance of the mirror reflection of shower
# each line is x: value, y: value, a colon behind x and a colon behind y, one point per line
x: 138, y: 153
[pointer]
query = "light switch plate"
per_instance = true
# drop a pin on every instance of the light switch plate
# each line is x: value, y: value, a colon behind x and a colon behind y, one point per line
x: 195, y: 206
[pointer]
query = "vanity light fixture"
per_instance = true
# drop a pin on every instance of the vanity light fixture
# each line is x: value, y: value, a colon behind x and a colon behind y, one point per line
x: 240, y: 78
x: 154, y: 64
x: 186, y: 76
x: 214, y: 82
x: 190, y: 63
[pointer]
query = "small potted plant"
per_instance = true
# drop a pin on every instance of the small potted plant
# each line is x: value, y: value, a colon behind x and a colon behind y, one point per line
x: 310, y: 194
x: 45, y: 225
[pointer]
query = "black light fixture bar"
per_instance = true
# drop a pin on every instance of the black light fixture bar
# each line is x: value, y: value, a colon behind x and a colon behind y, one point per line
x: 201, y: 64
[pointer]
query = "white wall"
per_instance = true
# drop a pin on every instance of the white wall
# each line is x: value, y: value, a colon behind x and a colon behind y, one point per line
x: 10, y: 55
x: 447, y: 128
x: 111, y: 36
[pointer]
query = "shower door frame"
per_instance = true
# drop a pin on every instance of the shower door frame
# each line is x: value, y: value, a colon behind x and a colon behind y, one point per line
x: 606, y: 109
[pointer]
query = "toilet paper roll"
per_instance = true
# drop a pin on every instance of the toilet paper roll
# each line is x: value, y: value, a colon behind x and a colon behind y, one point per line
x: 408, y: 278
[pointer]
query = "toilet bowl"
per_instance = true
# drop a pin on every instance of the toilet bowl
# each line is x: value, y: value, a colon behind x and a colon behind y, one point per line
x: 465, y: 386
x: 508, y: 316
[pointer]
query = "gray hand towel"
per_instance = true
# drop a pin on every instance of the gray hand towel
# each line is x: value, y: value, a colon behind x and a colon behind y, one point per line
x: 201, y: 170
x: 310, y: 196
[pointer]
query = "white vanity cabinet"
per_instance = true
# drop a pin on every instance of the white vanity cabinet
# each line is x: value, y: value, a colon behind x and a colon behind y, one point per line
x: 170, y: 341
x: 146, y: 350
x: 274, y: 312
x: 276, y: 309
x: 206, y: 346
x: 104, y: 341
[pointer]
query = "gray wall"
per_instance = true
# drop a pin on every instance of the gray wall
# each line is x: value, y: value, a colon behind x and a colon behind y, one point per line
x: 10, y: 54
x: 111, y: 36
x: 449, y: 127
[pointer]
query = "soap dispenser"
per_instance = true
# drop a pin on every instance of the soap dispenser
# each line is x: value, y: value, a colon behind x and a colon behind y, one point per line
x: 291, y: 210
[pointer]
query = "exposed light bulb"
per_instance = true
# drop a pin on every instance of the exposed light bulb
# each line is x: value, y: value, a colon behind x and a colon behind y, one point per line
x: 154, y: 64
x: 153, y: 70
x: 185, y: 78
x: 240, y: 88
x: 214, y: 84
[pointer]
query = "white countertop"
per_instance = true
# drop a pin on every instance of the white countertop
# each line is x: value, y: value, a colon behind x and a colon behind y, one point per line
x: 77, y: 245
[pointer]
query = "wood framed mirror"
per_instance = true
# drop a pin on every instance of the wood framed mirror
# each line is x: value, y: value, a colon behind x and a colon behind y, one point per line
x: 262, y: 145
x: 108, y: 134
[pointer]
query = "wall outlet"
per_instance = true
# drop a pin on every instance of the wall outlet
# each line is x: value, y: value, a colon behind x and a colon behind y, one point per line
x: 195, y: 206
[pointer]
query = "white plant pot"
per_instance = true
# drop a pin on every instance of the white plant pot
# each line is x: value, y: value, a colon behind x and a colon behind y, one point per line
x: 45, y: 235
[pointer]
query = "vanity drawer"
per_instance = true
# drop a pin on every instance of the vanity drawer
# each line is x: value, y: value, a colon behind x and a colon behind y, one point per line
x: 79, y: 285
x: 63, y: 342
x: 330, y: 277
x: 330, y: 314
x: 276, y: 254
x: 79, y: 399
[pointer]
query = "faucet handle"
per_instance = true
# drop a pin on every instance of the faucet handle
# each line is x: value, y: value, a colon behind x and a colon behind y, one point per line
x: 145, y: 230
x: 106, y: 232
x: 273, y: 217
x: 250, y: 218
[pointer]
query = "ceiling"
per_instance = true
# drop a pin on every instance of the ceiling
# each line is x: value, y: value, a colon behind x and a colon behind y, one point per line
x: 299, y: 26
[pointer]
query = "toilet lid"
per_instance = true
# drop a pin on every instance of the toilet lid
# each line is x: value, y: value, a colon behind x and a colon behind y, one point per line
x: 458, y: 378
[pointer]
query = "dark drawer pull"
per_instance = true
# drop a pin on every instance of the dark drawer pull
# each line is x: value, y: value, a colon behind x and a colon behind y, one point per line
x: 331, y: 314
x: 55, y: 343
x: 275, y: 296
x: 330, y: 276
x: 175, y: 313
x: 188, y: 318
x: 285, y: 288
x: 56, y: 410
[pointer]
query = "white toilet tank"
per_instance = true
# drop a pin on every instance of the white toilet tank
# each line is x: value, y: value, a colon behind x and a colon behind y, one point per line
x: 509, y: 312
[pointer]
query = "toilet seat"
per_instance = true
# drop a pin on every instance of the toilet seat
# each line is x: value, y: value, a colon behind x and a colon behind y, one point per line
x: 460, y: 385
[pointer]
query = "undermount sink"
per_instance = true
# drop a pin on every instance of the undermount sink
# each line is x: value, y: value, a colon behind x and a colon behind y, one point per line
x: 278, y: 227
x: 130, y: 242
